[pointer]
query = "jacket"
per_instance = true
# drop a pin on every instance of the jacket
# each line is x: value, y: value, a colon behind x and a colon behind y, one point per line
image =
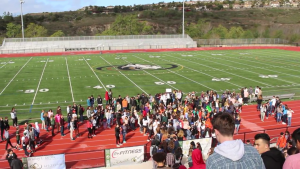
x: 273, y: 159
x: 281, y: 142
x: 197, y: 158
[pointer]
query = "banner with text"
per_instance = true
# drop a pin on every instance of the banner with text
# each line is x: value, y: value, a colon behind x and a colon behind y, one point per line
x: 125, y: 156
x: 204, y: 142
x: 45, y: 162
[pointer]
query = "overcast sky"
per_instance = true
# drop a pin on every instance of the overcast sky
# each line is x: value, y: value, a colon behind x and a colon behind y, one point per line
x: 36, y: 6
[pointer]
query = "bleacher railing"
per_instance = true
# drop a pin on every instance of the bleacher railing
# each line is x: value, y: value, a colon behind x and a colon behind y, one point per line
x: 241, y: 42
x: 71, y: 38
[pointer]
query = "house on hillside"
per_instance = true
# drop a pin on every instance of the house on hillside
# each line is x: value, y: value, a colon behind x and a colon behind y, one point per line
x: 247, y: 5
x: 295, y: 4
x: 275, y: 4
x: 226, y: 6
x: 110, y: 7
x: 236, y: 6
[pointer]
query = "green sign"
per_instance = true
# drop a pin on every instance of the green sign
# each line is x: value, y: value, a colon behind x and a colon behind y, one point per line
x: 107, y: 157
x: 25, y: 163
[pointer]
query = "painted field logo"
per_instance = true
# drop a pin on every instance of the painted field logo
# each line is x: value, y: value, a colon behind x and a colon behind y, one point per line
x: 134, y: 66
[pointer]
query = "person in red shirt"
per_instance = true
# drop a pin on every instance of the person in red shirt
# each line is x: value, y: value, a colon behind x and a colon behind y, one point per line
x: 89, y: 126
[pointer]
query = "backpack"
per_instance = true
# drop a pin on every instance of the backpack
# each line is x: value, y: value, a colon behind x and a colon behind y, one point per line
x: 154, y: 150
x: 26, y: 141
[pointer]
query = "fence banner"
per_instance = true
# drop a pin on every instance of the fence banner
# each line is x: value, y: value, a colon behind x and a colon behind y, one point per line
x: 204, y: 142
x: 45, y: 162
x: 125, y: 156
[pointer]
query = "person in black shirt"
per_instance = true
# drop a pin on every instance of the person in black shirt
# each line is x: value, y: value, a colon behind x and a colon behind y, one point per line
x: 75, y: 107
x: 99, y: 101
x: 81, y: 111
x: 16, y: 163
x: 9, y: 156
x: 2, y: 127
x: 92, y: 100
x: 117, y: 134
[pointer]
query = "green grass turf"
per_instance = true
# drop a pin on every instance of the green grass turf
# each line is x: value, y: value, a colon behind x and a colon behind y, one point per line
x: 194, y: 72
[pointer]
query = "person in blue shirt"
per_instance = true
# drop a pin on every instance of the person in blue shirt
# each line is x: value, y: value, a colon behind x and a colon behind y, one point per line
x: 284, y: 117
x: 42, y: 119
x: 88, y: 102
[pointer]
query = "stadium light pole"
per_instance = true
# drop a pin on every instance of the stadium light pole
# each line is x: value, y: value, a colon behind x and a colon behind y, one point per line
x: 21, y: 2
x: 183, y: 18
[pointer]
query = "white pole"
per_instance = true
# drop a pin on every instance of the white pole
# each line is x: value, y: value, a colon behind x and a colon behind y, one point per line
x: 183, y: 18
x: 21, y: 1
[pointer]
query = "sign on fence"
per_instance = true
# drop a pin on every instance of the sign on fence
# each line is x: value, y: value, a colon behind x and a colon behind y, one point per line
x: 204, y: 142
x: 45, y: 162
x: 124, y: 156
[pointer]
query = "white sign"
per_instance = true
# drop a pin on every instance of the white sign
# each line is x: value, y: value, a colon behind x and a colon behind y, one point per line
x: 204, y: 142
x: 47, y: 162
x: 169, y: 90
x: 126, y: 156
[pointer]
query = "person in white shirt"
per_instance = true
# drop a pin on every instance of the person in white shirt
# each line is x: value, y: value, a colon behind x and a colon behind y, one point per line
x: 289, y: 116
x: 155, y: 125
x: 24, y: 145
x: 14, y: 118
x: 108, y: 117
x: 145, y: 123
x: 256, y: 91
x: 273, y: 105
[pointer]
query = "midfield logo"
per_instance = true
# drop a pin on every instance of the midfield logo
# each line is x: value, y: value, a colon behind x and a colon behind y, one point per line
x: 133, y: 66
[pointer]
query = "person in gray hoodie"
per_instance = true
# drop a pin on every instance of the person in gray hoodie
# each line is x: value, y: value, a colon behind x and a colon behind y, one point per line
x: 231, y: 153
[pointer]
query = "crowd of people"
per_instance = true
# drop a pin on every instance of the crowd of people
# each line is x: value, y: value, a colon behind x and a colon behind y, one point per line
x: 165, y: 118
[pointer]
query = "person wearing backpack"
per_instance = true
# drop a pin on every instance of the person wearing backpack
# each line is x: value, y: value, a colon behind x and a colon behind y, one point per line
x: 25, y: 142
x: 153, y: 150
x: 32, y: 135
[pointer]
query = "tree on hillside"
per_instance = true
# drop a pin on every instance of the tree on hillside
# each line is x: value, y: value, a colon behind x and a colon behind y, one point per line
x: 235, y: 32
x: 13, y: 30
x: 128, y: 25
x: 198, y: 30
x: 58, y: 33
x: 221, y: 31
x: 34, y: 30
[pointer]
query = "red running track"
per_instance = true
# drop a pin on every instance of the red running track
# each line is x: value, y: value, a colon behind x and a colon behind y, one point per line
x: 88, y: 153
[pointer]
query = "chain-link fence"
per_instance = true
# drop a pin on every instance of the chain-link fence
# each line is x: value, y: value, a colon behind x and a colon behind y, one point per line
x: 242, y: 42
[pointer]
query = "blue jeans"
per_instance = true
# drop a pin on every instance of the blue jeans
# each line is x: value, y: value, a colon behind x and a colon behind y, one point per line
x: 25, y: 150
x: 289, y: 121
x: 279, y: 117
x: 124, y: 136
x: 237, y: 126
x: 108, y: 122
x: 62, y: 130
x: 132, y: 126
x: 81, y: 117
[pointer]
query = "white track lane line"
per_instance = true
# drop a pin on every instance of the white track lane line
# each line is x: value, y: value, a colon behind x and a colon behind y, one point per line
x: 69, y: 79
x: 15, y: 76
x: 95, y: 74
x: 124, y: 75
x: 37, y: 89
x: 180, y: 75
x: 156, y: 77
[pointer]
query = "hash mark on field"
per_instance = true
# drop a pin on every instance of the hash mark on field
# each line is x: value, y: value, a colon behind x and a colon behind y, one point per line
x: 15, y: 76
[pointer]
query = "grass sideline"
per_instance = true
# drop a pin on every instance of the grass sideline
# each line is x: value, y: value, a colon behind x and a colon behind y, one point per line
x: 34, y: 83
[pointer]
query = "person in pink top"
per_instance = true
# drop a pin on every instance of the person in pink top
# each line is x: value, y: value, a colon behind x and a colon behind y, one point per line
x: 293, y: 161
x: 57, y: 121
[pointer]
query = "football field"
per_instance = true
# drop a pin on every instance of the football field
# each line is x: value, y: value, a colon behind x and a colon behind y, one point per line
x: 34, y: 83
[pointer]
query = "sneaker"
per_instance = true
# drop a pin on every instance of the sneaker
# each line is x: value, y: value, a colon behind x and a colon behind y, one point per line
x: 145, y: 134
x: 148, y: 140
x: 118, y: 145
x: 121, y: 144
x: 283, y: 123
x: 124, y: 141
x: 36, y: 146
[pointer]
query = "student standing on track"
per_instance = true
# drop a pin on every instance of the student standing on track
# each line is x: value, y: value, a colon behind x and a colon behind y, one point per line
x: 57, y: 121
x: 81, y: 111
x: 124, y: 132
x: 25, y: 143
x: 72, y: 128
x: 89, y: 126
x: 52, y: 122
x: 43, y: 119
x: 2, y: 127
x: 7, y: 137
x: 14, y: 118
x: 62, y: 125
x: 117, y: 134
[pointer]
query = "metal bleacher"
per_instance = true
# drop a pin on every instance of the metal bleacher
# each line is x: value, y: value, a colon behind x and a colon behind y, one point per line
x: 62, y: 44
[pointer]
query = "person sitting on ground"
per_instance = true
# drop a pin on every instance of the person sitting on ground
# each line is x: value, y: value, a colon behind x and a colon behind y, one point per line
x: 272, y: 157
x: 231, y: 153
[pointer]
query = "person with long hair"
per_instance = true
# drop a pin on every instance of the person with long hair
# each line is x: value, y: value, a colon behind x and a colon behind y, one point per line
x: 43, y: 119
x: 150, y: 130
x: 89, y: 126
x: 117, y: 134
x: 52, y: 122
x: 171, y: 146
x: 237, y: 121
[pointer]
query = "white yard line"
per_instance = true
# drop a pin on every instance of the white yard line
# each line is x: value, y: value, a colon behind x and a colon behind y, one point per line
x: 228, y: 72
x: 15, y: 76
x: 263, y: 68
x: 124, y: 75
x: 69, y: 79
x: 200, y: 71
x: 156, y: 77
x: 180, y: 75
x: 37, y: 89
x: 257, y: 68
x: 95, y: 74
